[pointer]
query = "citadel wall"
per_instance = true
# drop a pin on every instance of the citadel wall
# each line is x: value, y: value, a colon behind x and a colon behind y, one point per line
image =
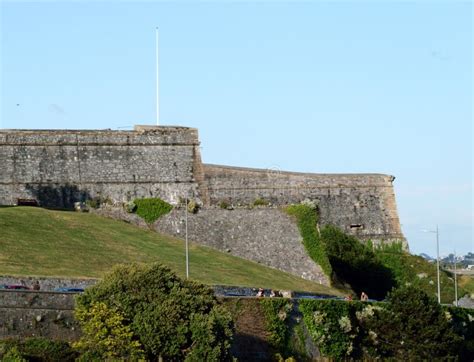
x: 59, y: 167
x: 360, y: 204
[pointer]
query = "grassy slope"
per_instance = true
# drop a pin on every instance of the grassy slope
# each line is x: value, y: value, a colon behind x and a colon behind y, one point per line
x: 407, y: 267
x: 41, y: 242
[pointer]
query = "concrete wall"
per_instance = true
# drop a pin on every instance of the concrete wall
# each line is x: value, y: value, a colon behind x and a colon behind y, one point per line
x: 265, y: 235
x: 360, y: 204
x: 60, y: 167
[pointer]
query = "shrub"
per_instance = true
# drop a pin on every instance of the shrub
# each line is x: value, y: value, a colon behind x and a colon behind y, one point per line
x: 260, y: 202
x: 104, y: 333
x: 333, y: 326
x: 224, y: 204
x: 356, y: 264
x: 277, y: 312
x: 413, y: 326
x: 193, y: 207
x: 164, y: 313
x: 36, y: 349
x: 307, y: 218
x: 130, y: 207
x: 152, y: 209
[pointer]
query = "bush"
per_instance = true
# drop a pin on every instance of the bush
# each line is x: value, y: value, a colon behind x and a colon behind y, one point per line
x: 130, y: 207
x: 164, y: 313
x: 307, y: 218
x: 260, y: 202
x: 224, y: 204
x: 105, y: 334
x: 152, y: 209
x: 36, y: 349
x: 193, y: 207
x: 277, y: 312
x: 413, y: 326
x: 333, y: 326
x: 356, y: 264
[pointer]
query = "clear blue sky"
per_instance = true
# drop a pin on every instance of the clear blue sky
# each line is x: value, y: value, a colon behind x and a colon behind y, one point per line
x: 318, y: 87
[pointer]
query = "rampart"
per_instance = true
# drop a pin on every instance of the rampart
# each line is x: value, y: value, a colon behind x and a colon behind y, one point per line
x: 59, y: 167
x: 360, y: 204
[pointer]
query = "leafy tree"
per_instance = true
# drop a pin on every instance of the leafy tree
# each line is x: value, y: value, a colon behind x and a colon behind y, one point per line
x: 170, y: 317
x: 104, y: 333
x: 413, y: 326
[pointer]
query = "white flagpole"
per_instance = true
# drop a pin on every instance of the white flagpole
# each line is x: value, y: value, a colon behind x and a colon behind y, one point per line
x: 157, y: 78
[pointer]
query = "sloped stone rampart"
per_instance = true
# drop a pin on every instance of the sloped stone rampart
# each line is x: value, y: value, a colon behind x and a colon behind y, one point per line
x: 265, y: 235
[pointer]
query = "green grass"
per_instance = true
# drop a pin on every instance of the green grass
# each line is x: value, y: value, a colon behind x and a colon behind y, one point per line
x: 40, y: 242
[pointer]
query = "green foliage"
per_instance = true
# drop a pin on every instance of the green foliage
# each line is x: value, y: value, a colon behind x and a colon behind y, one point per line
x: 413, y: 270
x: 224, y: 204
x: 164, y: 312
x: 413, y: 326
x: 152, y: 209
x: 211, y: 336
x: 277, y: 312
x: 13, y: 355
x: 307, y: 219
x: 333, y: 326
x: 463, y: 324
x: 260, y: 202
x: 193, y: 207
x: 36, y: 349
x: 130, y: 207
x: 355, y: 263
x: 104, y: 333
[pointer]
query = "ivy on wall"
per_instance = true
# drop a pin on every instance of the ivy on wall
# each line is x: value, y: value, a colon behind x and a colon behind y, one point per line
x: 307, y: 218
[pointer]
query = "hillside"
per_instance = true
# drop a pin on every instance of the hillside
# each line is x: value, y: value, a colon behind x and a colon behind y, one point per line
x: 35, y: 241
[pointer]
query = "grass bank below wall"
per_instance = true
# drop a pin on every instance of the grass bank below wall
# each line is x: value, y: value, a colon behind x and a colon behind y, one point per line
x: 40, y: 242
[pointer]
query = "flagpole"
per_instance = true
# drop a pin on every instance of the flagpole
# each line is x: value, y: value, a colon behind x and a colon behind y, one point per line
x: 157, y: 77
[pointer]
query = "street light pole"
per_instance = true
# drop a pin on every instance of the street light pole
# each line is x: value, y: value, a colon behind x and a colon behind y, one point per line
x: 186, y: 233
x: 455, y: 280
x: 437, y: 259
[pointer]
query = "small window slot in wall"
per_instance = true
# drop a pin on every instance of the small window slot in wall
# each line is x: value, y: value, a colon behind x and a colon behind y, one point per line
x: 357, y: 226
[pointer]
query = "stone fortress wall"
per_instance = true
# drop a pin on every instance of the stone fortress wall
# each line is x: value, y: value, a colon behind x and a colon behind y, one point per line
x: 60, y: 167
x: 359, y: 204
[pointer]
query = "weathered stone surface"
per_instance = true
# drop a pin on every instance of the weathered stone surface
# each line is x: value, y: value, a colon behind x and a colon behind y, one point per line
x: 265, y: 235
x: 360, y: 204
x: 37, y: 314
x: 61, y: 167
x: 48, y: 284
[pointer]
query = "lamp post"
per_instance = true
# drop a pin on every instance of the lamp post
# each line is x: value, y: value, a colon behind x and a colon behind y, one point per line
x: 186, y: 236
x: 455, y: 280
x: 437, y: 259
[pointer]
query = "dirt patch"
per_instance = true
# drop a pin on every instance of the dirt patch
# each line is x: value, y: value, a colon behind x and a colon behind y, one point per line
x: 251, y: 335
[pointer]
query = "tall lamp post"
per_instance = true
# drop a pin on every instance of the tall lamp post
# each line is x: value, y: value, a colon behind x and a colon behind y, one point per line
x: 437, y: 259
x: 186, y: 233
x: 455, y: 279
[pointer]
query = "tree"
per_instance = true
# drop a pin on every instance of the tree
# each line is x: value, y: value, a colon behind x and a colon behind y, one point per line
x: 170, y: 318
x: 413, y: 326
